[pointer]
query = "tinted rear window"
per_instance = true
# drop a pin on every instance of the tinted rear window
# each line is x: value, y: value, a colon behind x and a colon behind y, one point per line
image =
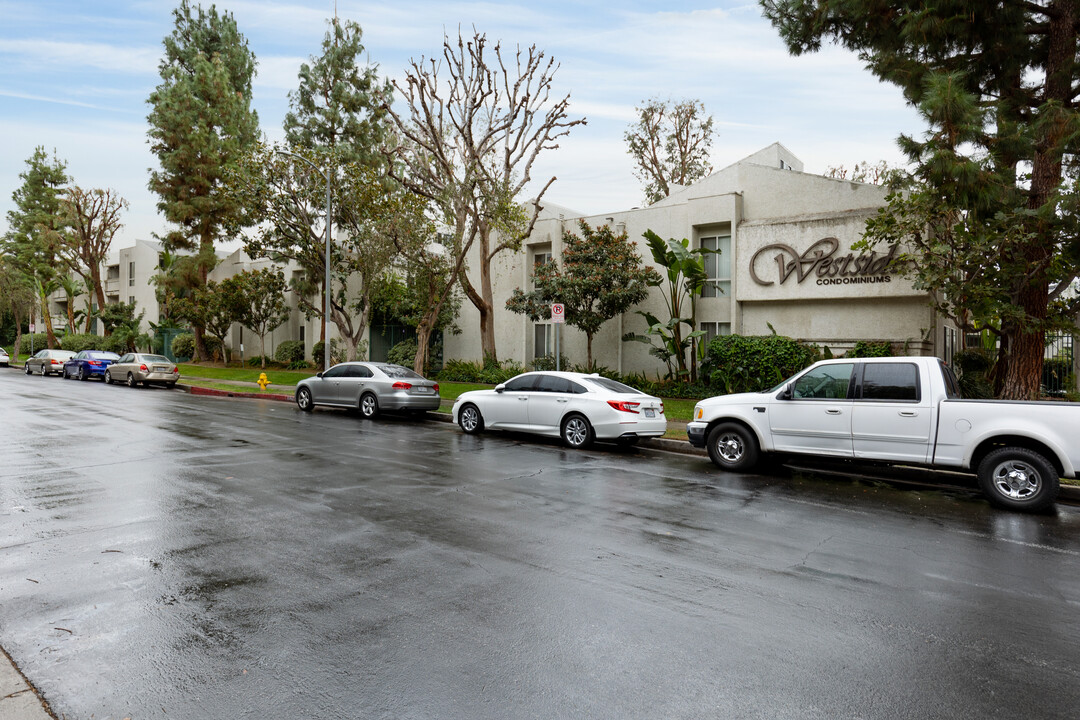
x: 398, y: 371
x: 155, y: 359
x: 890, y: 381
x: 612, y: 385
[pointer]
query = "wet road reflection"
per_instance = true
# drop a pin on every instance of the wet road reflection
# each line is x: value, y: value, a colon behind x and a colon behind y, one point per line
x: 163, y: 555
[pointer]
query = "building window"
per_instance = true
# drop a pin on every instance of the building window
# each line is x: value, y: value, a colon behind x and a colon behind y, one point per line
x: 949, y: 348
x: 717, y: 266
x: 540, y: 258
x: 131, y: 274
x: 712, y: 329
x: 302, y: 328
x: 131, y: 299
x: 543, y: 340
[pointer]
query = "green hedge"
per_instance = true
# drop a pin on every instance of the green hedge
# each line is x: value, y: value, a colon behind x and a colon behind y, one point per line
x: 183, y: 345
x: 40, y: 342
x: 80, y: 342
x: 289, y: 352
x: 869, y: 349
x: 404, y: 353
x: 738, y: 363
x: 477, y: 372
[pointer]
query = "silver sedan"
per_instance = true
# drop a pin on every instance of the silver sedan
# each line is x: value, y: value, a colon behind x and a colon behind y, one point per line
x: 47, y: 362
x: 369, y: 387
x: 135, y: 368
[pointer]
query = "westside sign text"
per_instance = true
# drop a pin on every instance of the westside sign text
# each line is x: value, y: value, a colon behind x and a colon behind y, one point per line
x: 820, y: 261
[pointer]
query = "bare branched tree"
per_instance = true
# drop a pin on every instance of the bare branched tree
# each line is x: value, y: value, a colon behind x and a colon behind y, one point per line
x: 467, y: 145
x: 90, y: 221
x: 670, y: 144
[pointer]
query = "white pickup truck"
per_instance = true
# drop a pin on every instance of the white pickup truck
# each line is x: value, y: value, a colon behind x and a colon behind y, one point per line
x: 901, y: 410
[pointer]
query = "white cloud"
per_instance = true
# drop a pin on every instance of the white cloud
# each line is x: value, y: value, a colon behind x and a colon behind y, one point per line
x: 81, y: 55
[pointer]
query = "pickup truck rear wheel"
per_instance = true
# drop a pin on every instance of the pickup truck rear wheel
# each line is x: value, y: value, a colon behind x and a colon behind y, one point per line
x: 733, y: 447
x: 1018, y: 479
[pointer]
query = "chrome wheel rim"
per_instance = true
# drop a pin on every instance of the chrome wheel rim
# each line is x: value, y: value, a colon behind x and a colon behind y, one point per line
x: 576, y: 432
x: 303, y: 399
x: 1016, y: 480
x: 131, y: 380
x: 367, y: 405
x: 469, y: 419
x: 729, y: 446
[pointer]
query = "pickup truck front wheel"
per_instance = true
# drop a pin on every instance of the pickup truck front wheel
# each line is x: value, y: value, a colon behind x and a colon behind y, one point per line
x: 733, y: 447
x: 1018, y: 479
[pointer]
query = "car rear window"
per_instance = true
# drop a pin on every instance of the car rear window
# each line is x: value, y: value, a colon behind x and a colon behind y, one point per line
x: 156, y: 359
x: 101, y: 355
x: 612, y: 385
x: 398, y: 371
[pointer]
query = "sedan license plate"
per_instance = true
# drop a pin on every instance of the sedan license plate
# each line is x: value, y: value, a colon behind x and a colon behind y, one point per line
x: 160, y: 368
x: 649, y: 412
x: 422, y: 389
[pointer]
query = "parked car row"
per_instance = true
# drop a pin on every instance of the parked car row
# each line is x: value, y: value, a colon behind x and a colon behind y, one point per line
x: 577, y: 407
x: 133, y: 368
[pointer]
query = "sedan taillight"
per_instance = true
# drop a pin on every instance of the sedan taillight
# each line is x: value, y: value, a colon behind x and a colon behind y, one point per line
x: 402, y: 385
x: 54, y: 361
x: 436, y: 388
x: 623, y: 406
x: 144, y: 368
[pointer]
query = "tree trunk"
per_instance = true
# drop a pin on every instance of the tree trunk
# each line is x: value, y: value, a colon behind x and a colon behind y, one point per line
x: 262, y: 350
x: 18, y: 331
x: 99, y: 290
x: 1024, y: 373
x: 201, y: 352
x: 588, y: 350
x: 50, y: 336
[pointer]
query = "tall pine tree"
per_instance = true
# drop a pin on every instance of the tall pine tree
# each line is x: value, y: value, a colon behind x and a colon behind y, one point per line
x: 31, y: 242
x: 998, y: 88
x: 201, y: 123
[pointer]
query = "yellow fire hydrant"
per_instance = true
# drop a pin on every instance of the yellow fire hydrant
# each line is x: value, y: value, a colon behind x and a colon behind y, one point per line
x: 263, y: 380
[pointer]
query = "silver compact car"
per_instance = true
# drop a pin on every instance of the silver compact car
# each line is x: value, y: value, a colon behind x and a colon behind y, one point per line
x: 47, y: 362
x: 369, y: 387
x: 4, y: 359
x: 136, y: 368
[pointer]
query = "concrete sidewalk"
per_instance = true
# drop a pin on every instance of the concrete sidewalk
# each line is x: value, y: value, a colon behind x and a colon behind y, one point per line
x: 18, y: 699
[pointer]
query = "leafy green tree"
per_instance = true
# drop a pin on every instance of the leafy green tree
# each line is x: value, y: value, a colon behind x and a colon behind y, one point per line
x: 670, y: 144
x: 467, y: 144
x: 30, y: 243
x: 261, y: 302
x: 16, y: 296
x: 683, y: 280
x: 201, y: 123
x: 122, y: 325
x: 601, y: 277
x: 996, y: 87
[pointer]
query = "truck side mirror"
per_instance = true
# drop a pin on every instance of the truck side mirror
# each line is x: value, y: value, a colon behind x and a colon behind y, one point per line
x: 788, y: 392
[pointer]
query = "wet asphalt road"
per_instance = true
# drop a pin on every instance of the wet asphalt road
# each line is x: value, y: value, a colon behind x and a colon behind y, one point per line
x: 169, y: 556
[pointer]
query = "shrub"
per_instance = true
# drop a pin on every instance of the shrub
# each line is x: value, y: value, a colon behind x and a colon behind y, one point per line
x: 289, y: 352
x: 337, y: 352
x: 78, y: 343
x: 40, y: 342
x: 868, y: 349
x: 404, y: 353
x: 183, y: 346
x: 547, y: 362
x: 738, y: 363
x: 489, y: 372
x: 114, y: 343
x: 971, y: 369
x: 257, y: 361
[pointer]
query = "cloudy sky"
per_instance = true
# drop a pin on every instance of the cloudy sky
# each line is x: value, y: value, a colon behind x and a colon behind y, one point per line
x: 74, y: 77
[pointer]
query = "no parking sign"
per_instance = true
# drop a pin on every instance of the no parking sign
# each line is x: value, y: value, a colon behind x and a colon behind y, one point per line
x: 558, y: 314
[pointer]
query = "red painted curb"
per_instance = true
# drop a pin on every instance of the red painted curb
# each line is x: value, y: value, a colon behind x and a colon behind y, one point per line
x: 194, y: 390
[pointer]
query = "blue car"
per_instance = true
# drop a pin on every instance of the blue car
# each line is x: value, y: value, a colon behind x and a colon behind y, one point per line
x: 89, y: 363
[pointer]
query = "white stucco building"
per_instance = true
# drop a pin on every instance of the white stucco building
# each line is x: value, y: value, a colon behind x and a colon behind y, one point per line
x: 785, y: 264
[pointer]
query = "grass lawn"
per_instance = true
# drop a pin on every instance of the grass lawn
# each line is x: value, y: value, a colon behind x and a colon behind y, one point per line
x: 243, y: 374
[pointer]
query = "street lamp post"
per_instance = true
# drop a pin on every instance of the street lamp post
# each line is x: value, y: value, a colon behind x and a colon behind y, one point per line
x: 326, y: 310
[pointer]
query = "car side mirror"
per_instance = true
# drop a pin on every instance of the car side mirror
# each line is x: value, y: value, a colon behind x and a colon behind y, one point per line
x: 318, y: 374
x: 788, y: 392
x: 500, y: 387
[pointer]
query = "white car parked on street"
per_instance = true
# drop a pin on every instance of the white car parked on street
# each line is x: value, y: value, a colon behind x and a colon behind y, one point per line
x: 577, y: 407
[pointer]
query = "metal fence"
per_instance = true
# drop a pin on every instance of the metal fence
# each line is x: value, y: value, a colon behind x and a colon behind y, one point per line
x: 1057, y: 376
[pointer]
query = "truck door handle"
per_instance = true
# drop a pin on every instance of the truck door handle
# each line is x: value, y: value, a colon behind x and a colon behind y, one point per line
x: 908, y: 413
x: 526, y: 397
x: 832, y: 412
x: 560, y: 400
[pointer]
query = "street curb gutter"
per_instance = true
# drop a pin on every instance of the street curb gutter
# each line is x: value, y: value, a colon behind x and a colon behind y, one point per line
x: 19, y: 700
x: 1069, y: 493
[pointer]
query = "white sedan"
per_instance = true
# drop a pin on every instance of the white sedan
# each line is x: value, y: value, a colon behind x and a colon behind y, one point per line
x: 578, y: 408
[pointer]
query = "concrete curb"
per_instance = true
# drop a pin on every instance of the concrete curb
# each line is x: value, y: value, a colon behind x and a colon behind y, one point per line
x: 19, y: 700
